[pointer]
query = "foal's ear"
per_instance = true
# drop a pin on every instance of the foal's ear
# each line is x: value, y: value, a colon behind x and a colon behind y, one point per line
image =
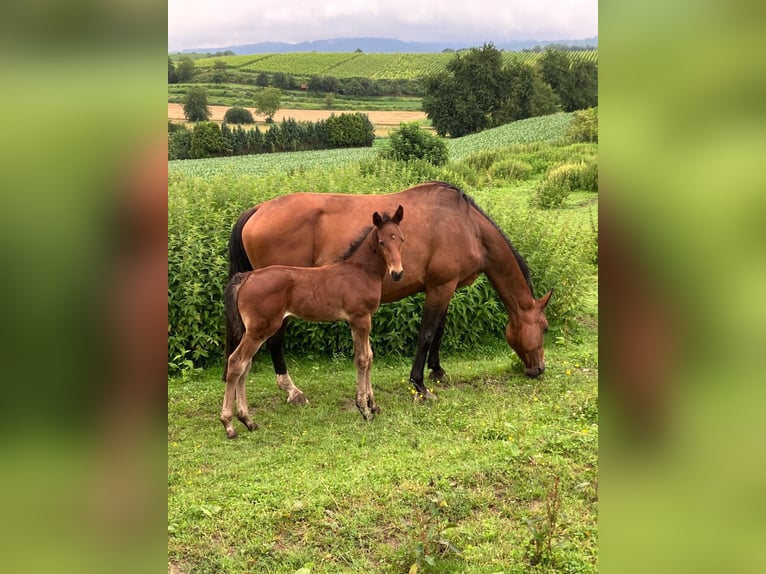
x: 377, y: 219
x: 545, y: 298
x: 398, y: 215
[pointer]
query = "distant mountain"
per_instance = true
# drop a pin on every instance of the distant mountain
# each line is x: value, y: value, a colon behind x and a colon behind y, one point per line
x: 384, y: 45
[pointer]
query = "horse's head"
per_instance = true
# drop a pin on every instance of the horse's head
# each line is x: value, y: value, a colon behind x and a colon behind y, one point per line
x: 525, y: 334
x: 390, y: 239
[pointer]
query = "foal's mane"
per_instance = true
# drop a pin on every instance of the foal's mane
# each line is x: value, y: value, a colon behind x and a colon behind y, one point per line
x: 356, y: 243
x: 469, y: 200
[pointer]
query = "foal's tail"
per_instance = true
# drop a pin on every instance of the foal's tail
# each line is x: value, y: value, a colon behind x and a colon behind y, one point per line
x: 235, y: 328
x: 238, y: 263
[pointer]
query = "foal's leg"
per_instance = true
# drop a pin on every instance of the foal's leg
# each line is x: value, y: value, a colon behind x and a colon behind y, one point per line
x: 284, y: 382
x: 238, y: 366
x: 360, y: 332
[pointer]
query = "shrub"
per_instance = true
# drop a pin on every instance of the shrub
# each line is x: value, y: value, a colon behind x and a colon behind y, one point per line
x: 584, y: 126
x: 410, y: 142
x: 179, y: 143
x: 238, y: 115
x: 562, y: 179
x: 206, y: 140
x: 510, y: 170
x: 195, y: 105
x: 350, y: 130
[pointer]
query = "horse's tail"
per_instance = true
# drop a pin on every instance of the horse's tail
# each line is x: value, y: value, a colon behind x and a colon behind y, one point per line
x: 238, y: 261
x: 235, y: 328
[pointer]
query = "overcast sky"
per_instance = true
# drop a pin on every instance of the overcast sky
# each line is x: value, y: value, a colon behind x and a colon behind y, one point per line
x: 219, y: 23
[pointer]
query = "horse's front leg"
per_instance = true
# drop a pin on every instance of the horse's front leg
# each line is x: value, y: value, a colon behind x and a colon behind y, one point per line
x: 431, y: 328
x: 365, y: 400
x: 434, y: 363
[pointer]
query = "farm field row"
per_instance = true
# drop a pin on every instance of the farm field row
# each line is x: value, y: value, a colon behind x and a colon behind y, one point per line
x: 378, y: 118
x: 359, y: 65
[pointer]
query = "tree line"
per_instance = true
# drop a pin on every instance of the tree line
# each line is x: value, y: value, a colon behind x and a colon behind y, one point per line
x: 476, y: 91
x: 208, y: 139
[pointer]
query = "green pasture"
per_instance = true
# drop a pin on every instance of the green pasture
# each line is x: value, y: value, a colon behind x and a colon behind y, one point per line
x: 499, y: 475
x: 231, y: 94
x: 360, y: 65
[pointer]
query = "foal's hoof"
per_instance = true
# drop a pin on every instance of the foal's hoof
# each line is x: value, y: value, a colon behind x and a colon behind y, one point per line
x: 231, y: 433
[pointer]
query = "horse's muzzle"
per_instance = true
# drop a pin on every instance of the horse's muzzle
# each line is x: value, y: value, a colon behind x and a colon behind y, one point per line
x: 397, y: 275
x: 534, y: 371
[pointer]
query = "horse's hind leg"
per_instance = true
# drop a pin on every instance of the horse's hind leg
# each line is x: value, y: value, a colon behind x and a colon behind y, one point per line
x: 434, y: 363
x: 284, y: 382
x: 238, y: 367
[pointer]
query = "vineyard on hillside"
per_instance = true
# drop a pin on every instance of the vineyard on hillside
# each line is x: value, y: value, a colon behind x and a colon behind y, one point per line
x: 359, y: 65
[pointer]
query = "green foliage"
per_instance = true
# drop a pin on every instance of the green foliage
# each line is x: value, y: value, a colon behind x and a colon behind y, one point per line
x: 574, y: 80
x: 479, y: 90
x: 267, y: 101
x: 350, y: 130
x: 185, y: 70
x: 238, y: 115
x: 410, y: 142
x: 172, y: 76
x: 195, y: 105
x: 206, y: 140
x: 563, y: 179
x: 584, y: 127
x: 179, y: 144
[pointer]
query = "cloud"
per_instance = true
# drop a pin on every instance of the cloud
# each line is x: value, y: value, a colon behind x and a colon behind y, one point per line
x: 205, y: 24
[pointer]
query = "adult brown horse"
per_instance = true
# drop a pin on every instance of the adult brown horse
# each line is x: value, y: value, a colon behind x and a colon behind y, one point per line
x: 451, y: 241
x: 257, y: 302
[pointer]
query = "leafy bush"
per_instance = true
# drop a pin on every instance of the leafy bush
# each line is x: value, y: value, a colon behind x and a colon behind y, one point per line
x: 238, y: 115
x: 179, y: 143
x: 410, y: 142
x: 508, y: 170
x: 201, y: 212
x: 350, y: 130
x: 562, y: 179
x: 206, y: 140
x: 195, y: 104
x: 584, y: 126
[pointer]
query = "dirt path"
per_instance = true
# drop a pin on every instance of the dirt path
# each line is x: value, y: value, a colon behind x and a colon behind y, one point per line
x: 392, y: 119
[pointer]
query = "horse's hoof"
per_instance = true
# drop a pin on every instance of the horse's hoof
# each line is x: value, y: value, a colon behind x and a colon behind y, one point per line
x: 439, y: 375
x: 298, y: 399
x: 251, y: 426
x: 423, y: 398
x: 375, y: 409
x: 231, y: 433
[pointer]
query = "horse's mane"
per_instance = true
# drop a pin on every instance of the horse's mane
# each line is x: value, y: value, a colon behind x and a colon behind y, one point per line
x: 469, y: 200
x: 356, y: 243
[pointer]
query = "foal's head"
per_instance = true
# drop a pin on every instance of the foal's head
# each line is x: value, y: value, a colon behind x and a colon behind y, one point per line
x: 525, y: 332
x: 389, y: 238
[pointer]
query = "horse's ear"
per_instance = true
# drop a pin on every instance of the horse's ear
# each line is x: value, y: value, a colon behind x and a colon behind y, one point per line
x: 545, y: 298
x: 377, y: 219
x: 397, y: 218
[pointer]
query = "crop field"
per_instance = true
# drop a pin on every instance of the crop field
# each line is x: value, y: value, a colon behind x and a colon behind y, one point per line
x: 499, y: 475
x: 351, y: 65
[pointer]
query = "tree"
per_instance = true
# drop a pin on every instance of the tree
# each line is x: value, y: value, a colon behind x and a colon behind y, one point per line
x: 410, y: 142
x: 262, y: 80
x: 267, y: 102
x: 185, y: 69
x: 206, y: 140
x: 527, y: 95
x: 462, y: 99
x: 219, y: 72
x: 195, y: 104
x: 238, y: 115
x: 172, y: 78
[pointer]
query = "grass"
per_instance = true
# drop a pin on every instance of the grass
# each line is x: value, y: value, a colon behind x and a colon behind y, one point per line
x: 243, y: 95
x: 465, y: 484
